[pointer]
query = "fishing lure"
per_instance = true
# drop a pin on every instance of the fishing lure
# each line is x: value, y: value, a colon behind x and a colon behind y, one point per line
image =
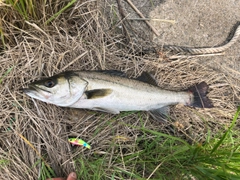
x: 79, y: 142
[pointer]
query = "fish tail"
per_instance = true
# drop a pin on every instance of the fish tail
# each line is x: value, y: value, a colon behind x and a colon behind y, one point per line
x: 200, y: 99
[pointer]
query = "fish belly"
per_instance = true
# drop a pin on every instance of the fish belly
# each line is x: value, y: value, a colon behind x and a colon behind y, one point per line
x: 133, y: 100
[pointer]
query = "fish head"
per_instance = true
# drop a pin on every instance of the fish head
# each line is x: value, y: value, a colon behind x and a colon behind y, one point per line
x: 62, y: 90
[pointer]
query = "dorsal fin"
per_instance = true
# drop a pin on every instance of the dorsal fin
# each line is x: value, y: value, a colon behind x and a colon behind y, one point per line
x: 147, y: 78
x: 113, y: 72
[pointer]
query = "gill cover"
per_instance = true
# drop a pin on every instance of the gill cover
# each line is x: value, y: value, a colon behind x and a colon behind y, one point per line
x: 62, y: 90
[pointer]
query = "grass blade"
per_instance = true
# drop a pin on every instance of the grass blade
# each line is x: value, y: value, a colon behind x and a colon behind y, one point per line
x: 227, y: 132
x: 61, y: 10
x: 6, y: 73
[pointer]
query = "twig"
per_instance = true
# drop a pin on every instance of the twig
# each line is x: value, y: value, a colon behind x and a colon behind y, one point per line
x: 123, y: 19
x: 142, y: 16
x: 152, y: 19
x: 73, y: 61
x: 155, y: 170
x: 30, y: 144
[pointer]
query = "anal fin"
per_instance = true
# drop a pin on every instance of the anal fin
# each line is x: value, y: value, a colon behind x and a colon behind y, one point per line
x: 111, y: 111
x: 161, y: 113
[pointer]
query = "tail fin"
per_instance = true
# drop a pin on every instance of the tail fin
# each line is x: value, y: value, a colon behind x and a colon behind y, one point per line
x: 200, y: 99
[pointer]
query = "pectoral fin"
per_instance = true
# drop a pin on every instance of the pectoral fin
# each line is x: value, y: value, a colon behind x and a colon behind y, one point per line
x: 98, y: 93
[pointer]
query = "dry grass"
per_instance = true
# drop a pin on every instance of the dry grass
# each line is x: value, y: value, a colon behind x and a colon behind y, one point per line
x: 84, y: 38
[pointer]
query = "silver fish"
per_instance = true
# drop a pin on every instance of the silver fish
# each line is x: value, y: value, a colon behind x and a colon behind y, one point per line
x: 112, y: 92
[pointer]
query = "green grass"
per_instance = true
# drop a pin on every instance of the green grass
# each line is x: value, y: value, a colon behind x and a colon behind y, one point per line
x: 26, y: 8
x: 40, y: 12
x: 30, y: 10
x: 161, y: 156
x: 5, y: 74
x: 2, y: 37
x: 46, y: 172
x: 3, y: 162
x: 60, y: 11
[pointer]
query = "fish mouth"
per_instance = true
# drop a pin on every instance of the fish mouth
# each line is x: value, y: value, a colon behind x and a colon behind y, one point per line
x: 29, y: 89
x: 37, y: 92
x: 33, y: 88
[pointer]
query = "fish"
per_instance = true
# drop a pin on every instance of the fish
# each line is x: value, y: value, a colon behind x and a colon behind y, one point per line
x: 112, y: 91
x: 78, y: 142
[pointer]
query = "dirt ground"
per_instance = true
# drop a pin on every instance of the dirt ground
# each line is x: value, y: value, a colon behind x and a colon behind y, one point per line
x: 197, y: 24
x: 200, y: 24
x: 82, y: 39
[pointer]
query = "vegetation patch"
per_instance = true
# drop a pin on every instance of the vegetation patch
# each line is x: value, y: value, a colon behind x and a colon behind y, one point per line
x: 43, y: 38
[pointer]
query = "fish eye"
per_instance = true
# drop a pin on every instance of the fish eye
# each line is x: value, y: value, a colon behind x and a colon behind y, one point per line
x: 49, y: 83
